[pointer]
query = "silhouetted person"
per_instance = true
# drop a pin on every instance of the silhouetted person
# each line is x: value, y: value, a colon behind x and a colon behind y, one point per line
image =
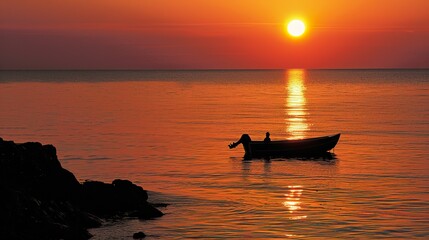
x: 267, y: 137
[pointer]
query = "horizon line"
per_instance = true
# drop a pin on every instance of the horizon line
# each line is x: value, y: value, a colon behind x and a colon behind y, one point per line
x: 211, y: 69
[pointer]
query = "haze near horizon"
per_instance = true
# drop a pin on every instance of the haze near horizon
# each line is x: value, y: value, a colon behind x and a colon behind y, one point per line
x: 221, y: 34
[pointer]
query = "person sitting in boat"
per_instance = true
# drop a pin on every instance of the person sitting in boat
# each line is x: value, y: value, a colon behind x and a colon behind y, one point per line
x: 267, y: 137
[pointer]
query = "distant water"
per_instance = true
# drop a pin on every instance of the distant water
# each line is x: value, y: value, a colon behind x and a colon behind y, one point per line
x: 169, y: 130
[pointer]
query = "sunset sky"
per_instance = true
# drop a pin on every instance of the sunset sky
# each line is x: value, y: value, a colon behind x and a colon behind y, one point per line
x: 212, y: 34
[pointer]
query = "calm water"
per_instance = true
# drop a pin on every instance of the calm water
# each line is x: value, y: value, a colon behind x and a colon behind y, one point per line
x: 168, y: 131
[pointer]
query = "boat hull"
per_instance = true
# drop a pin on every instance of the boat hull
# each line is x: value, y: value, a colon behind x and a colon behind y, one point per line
x: 292, y: 148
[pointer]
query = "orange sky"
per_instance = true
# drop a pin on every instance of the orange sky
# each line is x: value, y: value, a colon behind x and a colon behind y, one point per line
x: 218, y: 34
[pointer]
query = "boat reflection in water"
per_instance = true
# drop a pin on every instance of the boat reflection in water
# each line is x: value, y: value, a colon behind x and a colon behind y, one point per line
x: 296, y: 111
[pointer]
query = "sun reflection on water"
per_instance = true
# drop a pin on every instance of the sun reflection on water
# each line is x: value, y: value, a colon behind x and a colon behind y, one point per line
x: 293, y: 202
x: 296, y: 122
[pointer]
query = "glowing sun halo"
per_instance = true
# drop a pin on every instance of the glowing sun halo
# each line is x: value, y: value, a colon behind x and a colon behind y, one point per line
x: 296, y: 28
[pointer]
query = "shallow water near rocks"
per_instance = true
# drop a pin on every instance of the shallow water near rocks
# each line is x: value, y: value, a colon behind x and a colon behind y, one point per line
x: 168, y: 131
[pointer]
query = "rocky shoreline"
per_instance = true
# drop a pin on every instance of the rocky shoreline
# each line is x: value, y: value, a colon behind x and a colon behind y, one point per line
x: 41, y: 200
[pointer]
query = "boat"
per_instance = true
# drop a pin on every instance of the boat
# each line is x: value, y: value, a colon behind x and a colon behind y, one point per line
x: 308, y: 147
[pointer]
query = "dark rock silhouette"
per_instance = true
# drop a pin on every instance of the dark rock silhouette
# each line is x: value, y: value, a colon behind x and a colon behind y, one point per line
x: 120, y: 196
x: 41, y: 200
x: 139, y: 235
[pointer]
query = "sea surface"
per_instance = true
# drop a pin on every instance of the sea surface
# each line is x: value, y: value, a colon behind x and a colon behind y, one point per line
x: 168, y: 131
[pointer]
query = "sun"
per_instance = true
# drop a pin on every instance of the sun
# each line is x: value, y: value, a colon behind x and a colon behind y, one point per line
x: 296, y: 28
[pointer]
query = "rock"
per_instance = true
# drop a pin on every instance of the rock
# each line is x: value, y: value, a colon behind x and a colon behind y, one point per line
x: 41, y: 200
x: 147, y: 212
x: 133, y: 193
x: 139, y: 235
x: 97, y: 198
x: 163, y: 205
x: 35, y: 169
x: 27, y: 217
x: 38, y: 195
x: 106, y: 199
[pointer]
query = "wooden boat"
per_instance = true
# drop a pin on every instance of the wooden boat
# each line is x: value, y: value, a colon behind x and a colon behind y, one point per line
x: 287, y: 148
